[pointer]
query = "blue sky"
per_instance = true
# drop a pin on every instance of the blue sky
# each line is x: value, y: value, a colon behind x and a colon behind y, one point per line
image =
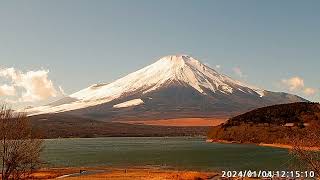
x: 72, y: 44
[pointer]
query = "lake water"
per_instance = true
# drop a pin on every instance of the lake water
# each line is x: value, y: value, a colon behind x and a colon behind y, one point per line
x: 170, y: 152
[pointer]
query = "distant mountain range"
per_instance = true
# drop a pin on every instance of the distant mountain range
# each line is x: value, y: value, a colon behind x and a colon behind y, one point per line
x: 177, y: 86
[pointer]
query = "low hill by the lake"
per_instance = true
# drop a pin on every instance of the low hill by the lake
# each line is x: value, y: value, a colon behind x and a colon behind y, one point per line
x: 272, y: 124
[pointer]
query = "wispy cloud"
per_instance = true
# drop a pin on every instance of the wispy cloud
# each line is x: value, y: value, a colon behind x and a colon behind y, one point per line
x: 62, y: 91
x: 10, y: 101
x: 239, y: 72
x: 216, y: 67
x: 310, y: 91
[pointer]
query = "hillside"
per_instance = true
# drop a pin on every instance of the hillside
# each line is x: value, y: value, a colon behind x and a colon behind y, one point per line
x: 272, y: 124
x: 279, y: 114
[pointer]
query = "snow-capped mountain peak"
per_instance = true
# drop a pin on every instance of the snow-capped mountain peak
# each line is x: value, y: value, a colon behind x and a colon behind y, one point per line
x: 178, y: 68
x: 175, y: 70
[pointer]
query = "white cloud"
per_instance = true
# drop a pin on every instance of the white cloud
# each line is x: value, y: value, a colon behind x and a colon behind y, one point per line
x: 297, y: 84
x: 9, y: 73
x: 35, y: 85
x: 218, y: 66
x: 238, y: 72
x: 294, y: 83
x: 6, y: 90
x: 309, y: 91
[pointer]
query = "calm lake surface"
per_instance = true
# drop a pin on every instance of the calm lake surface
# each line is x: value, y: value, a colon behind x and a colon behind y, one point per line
x: 170, y: 152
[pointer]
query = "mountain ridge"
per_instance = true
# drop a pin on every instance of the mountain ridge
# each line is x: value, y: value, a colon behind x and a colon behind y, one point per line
x: 174, y: 86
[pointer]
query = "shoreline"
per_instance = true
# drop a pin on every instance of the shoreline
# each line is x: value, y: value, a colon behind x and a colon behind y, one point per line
x: 286, y: 146
x: 275, y: 145
x: 141, y: 173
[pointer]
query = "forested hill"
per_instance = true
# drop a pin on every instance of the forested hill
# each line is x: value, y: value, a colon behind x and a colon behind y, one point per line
x: 273, y: 124
x: 300, y: 112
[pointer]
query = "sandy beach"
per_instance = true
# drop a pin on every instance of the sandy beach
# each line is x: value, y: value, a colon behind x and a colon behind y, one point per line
x: 289, y: 146
x: 284, y: 146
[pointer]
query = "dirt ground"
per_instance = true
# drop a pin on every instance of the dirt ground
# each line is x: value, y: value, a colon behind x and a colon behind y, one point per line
x: 122, y: 174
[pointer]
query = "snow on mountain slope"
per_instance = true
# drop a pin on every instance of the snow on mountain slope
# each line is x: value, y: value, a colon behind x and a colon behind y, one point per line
x: 133, y: 102
x: 182, y: 68
x: 177, y: 68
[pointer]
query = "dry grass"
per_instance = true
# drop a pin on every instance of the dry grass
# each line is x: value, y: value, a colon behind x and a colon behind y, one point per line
x: 181, y: 122
x: 146, y: 174
x: 126, y: 174
x: 53, y: 173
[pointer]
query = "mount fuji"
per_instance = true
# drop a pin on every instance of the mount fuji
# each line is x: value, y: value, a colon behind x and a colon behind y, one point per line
x: 177, y: 86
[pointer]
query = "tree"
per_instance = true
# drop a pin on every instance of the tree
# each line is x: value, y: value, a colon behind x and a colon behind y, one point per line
x: 19, y: 146
x: 306, y: 148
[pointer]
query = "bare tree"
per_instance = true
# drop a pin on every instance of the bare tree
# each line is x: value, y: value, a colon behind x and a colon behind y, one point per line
x: 306, y: 148
x: 19, y: 146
